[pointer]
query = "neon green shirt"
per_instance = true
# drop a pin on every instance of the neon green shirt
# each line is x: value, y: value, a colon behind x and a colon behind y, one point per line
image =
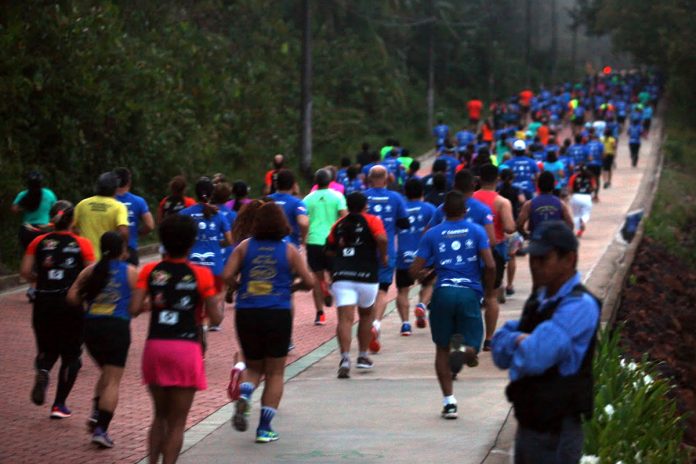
x: 323, y: 208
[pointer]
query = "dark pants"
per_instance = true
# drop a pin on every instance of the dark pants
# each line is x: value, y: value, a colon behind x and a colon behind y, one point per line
x: 634, y: 148
x: 563, y: 447
x: 133, y: 257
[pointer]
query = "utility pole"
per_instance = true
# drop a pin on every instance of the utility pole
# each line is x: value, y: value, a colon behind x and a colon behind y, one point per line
x: 430, y: 97
x: 306, y: 93
x: 554, y: 39
x: 528, y: 39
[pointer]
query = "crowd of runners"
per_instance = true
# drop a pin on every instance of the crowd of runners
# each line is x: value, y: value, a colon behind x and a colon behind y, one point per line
x: 368, y: 223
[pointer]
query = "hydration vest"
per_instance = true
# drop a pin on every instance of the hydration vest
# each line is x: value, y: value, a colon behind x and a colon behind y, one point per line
x: 173, y: 289
x: 541, y: 402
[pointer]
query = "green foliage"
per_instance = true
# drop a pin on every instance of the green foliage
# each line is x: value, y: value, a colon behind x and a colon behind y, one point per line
x: 635, y: 419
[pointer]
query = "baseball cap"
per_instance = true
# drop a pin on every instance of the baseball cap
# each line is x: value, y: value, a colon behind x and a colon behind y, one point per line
x: 519, y: 145
x: 549, y: 236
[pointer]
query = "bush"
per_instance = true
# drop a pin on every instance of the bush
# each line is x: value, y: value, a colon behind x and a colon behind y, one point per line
x: 635, y: 419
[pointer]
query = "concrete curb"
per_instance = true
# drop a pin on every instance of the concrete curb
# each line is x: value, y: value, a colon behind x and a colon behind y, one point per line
x: 607, y: 277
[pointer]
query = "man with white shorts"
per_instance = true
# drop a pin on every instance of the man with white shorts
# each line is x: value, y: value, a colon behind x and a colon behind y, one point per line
x: 357, y: 244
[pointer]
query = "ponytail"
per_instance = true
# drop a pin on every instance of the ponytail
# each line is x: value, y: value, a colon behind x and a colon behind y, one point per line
x: 111, y: 245
x: 62, y: 213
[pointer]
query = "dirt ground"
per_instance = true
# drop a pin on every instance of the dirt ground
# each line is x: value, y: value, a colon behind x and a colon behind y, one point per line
x: 659, y: 311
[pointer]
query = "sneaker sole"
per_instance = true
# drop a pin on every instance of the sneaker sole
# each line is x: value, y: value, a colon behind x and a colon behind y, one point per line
x: 240, y: 421
x: 421, y: 324
x: 449, y: 415
x: 344, y: 372
x: 364, y: 366
x: 60, y: 415
x: 266, y: 440
x: 405, y: 334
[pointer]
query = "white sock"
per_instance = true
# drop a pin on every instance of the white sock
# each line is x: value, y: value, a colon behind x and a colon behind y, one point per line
x: 240, y: 365
x: 363, y: 354
x: 345, y: 356
x: 449, y: 400
x: 377, y: 325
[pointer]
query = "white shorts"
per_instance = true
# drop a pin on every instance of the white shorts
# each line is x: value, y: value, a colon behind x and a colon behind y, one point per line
x: 349, y: 293
x: 581, y: 205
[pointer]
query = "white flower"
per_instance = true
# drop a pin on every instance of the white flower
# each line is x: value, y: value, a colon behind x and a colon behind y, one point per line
x: 619, y: 462
x: 632, y: 366
x: 609, y: 410
x: 589, y: 459
x: 622, y: 362
x: 647, y: 380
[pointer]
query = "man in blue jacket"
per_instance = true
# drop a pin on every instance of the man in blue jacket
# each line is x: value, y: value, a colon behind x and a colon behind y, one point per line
x: 549, y: 352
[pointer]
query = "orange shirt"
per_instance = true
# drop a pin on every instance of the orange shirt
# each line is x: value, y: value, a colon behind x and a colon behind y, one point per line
x: 526, y: 97
x: 474, y: 107
x: 543, y: 133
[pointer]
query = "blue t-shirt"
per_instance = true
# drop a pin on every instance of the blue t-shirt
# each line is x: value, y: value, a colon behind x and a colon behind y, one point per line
x: 342, y: 175
x: 634, y: 133
x: 206, y: 249
x: 390, y: 207
x: 441, y: 132
x: 292, y: 207
x: 476, y: 212
x: 464, y: 138
x: 230, y: 216
x: 578, y: 153
x: 419, y: 215
x: 452, y: 164
x: 455, y: 247
x: 136, y: 208
x: 355, y: 185
x: 595, y: 150
x: 525, y: 170
x: 394, y: 167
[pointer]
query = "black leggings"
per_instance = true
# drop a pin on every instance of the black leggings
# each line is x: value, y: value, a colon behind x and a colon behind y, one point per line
x: 59, y: 331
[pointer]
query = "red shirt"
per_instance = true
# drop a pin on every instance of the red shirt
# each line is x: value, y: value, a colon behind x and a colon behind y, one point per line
x: 526, y: 97
x: 543, y: 133
x: 487, y: 197
x: 85, y: 245
x: 474, y: 107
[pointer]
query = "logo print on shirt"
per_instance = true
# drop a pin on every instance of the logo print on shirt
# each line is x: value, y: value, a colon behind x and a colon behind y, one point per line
x: 456, y: 245
x: 469, y: 243
x: 378, y: 208
x: 160, y: 278
x: 202, y: 225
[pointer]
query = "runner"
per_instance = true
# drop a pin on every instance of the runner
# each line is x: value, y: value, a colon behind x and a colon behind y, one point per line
x: 503, y: 223
x: 53, y: 261
x: 635, y: 132
x: 581, y: 186
x: 106, y: 288
x: 441, y: 134
x: 137, y: 211
x: 353, y: 182
x: 213, y: 236
x: 595, y: 153
x: 324, y: 207
x: 261, y: 269
x: 176, y: 200
x: 609, y: 142
x: 364, y: 156
x: 525, y: 169
x: 270, y: 179
x: 460, y: 250
x: 389, y: 206
x: 181, y: 295
x: 294, y: 209
x: 514, y: 241
x: 474, y: 108
x: 240, y: 190
x: 419, y: 215
x: 101, y: 213
x: 356, y: 244
x: 35, y: 204
x: 543, y: 208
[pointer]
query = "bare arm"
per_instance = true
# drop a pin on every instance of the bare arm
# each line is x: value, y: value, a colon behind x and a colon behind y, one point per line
x: 148, y: 224
x: 137, y: 303
x: 303, y: 224
x: 382, y: 242
x: 523, y: 217
x: 299, y: 268
x: 74, y: 298
x: 26, y: 269
x: 505, y: 212
x: 488, y: 273
x: 416, y: 267
x: 490, y: 232
x: 123, y: 230
x: 567, y: 215
x: 227, y: 240
x: 342, y: 213
x: 234, y: 265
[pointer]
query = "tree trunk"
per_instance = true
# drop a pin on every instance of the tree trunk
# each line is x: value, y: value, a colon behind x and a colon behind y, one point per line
x: 430, y: 96
x: 306, y: 94
x: 574, y: 49
x: 554, y: 39
x: 528, y: 39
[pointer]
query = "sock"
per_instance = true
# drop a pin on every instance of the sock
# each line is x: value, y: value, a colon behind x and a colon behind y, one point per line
x: 66, y: 379
x: 267, y: 415
x: 449, y: 400
x: 246, y: 389
x: 240, y: 365
x: 363, y: 354
x: 104, y: 419
x: 377, y: 325
x: 345, y: 356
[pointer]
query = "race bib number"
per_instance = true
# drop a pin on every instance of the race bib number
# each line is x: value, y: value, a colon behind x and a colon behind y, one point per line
x: 55, y: 274
x: 168, y: 317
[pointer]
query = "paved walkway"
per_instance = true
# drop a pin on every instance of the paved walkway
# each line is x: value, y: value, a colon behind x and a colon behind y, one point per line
x: 390, y: 414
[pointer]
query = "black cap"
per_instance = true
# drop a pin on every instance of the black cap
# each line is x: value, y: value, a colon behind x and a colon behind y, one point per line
x: 549, y: 236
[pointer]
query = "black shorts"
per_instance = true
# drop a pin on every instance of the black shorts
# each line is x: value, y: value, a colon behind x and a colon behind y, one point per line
x: 107, y: 340
x: 59, y: 328
x: 316, y: 259
x: 621, y: 120
x: 608, y: 162
x: 595, y: 169
x: 26, y: 236
x: 133, y: 257
x: 646, y: 124
x: 635, y: 148
x: 474, y: 121
x: 264, y: 333
x: 403, y: 279
x: 499, y: 268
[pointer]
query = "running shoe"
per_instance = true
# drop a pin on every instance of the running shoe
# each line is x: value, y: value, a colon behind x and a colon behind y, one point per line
x: 461, y: 354
x: 486, y: 345
x: 214, y: 328
x: 420, y: 313
x: 266, y: 436
x: 375, y: 345
x: 101, y: 438
x: 405, y: 329
x: 364, y: 362
x: 607, y: 185
x: 92, y: 420
x: 509, y: 291
x: 38, y: 393
x: 320, y: 319
x: 235, y: 381
x: 60, y: 411
x: 240, y: 420
x: 449, y: 411
x: 344, y: 369
x: 328, y: 298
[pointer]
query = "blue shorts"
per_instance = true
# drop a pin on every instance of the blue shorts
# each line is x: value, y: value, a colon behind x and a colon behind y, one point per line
x: 502, y: 249
x: 456, y: 310
x: 386, y: 273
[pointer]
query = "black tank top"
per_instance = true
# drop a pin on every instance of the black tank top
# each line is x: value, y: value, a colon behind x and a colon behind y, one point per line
x: 58, y: 263
x: 173, y: 289
x: 356, y: 250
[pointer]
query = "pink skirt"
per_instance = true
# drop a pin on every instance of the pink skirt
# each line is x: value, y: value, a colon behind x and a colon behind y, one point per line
x: 174, y: 363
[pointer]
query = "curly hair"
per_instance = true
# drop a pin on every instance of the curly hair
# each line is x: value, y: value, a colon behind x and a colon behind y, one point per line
x: 242, y: 227
x: 270, y: 223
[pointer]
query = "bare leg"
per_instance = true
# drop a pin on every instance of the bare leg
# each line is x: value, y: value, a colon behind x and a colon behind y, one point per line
x: 511, y: 269
x: 108, y: 396
x: 491, y: 316
x: 273, y: 385
x: 366, y: 315
x: 442, y: 369
x: 426, y: 293
x: 180, y: 400
x: 380, y: 305
x: 402, y: 303
x: 317, y: 293
x: 158, y: 429
x: 345, y: 326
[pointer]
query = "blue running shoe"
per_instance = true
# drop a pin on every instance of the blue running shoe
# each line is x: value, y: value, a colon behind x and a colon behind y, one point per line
x: 266, y: 436
x: 101, y: 438
x: 60, y: 411
x: 405, y: 329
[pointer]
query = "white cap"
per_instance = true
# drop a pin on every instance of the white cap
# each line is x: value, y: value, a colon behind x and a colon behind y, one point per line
x: 519, y: 145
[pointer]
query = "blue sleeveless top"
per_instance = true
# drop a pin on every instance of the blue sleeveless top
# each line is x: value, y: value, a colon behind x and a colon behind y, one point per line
x: 544, y: 207
x: 115, y: 297
x: 266, y: 277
